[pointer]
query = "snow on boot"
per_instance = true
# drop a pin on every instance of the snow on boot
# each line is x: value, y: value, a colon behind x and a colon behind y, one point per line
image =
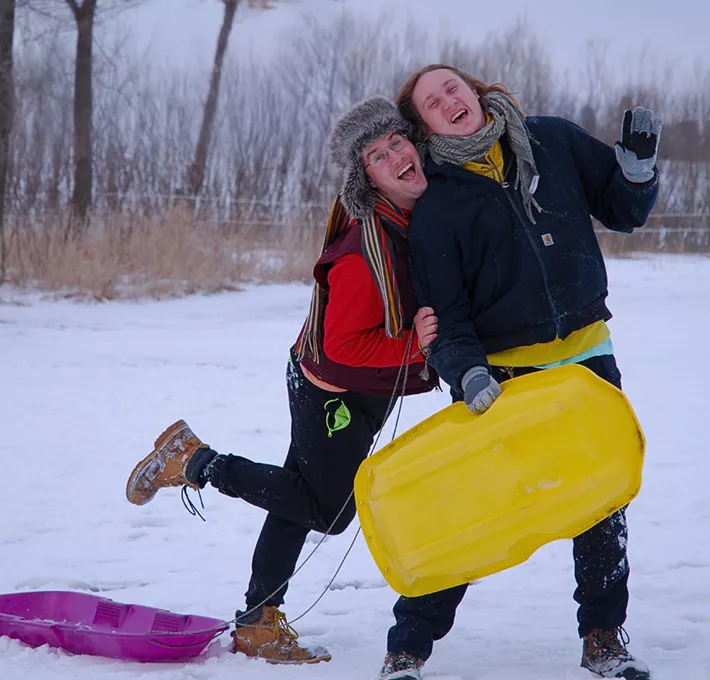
x: 265, y: 634
x: 604, y: 653
x: 167, y: 464
x: 401, y: 667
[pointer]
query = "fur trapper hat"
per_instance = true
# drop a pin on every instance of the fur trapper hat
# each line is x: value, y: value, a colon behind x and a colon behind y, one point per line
x: 353, y: 132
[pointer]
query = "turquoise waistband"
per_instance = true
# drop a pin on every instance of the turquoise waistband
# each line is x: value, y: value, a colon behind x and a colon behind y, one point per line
x: 602, y: 349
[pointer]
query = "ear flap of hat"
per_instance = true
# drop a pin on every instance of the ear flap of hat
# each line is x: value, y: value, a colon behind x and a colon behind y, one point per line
x: 357, y: 194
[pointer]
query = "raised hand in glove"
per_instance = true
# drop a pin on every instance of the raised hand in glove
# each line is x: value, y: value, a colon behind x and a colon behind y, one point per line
x: 480, y: 390
x: 636, y: 152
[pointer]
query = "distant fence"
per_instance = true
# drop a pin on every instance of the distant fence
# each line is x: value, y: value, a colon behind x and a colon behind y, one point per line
x: 268, y: 220
x: 661, y: 234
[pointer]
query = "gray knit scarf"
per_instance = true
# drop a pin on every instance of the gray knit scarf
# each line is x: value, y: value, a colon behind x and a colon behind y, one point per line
x: 508, y: 119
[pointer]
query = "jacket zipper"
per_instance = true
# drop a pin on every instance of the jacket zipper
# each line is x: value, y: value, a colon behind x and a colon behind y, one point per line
x: 524, y: 223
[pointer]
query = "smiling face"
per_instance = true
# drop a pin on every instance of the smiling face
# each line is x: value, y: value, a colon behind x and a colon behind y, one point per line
x: 393, y: 167
x: 447, y: 105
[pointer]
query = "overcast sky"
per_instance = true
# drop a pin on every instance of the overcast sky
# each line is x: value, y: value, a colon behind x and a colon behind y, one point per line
x: 679, y: 28
x: 184, y: 31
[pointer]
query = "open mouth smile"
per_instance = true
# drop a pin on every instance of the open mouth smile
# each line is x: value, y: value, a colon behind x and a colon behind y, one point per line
x: 407, y: 172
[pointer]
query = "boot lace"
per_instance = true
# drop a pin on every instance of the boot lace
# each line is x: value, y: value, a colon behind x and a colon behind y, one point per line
x: 401, y: 662
x: 283, y: 628
x: 610, y: 644
x: 189, y: 505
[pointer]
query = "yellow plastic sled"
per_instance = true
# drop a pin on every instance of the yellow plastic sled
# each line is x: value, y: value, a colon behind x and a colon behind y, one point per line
x: 461, y: 496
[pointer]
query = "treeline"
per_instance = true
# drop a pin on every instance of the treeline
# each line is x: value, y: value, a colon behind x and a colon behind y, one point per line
x: 273, y: 118
x: 266, y: 170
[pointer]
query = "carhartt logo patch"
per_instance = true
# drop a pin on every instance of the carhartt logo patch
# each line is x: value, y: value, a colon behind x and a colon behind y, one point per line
x: 548, y: 240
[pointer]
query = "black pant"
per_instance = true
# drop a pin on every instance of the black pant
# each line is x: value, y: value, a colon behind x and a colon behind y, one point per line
x: 600, y: 568
x: 310, y: 490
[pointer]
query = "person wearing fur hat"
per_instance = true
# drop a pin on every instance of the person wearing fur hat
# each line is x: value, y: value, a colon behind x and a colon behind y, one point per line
x: 363, y: 327
x: 503, y: 249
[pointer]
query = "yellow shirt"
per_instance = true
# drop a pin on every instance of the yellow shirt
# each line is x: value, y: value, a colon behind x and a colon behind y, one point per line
x: 557, y: 350
x: 491, y: 165
x: 545, y: 352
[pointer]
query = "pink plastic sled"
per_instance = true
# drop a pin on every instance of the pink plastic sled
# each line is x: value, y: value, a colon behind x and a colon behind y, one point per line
x: 87, y: 624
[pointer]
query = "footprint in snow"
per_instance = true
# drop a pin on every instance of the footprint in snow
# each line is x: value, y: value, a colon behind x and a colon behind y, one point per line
x: 150, y: 522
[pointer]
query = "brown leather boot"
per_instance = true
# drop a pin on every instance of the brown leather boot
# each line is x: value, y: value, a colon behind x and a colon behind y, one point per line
x: 267, y: 635
x: 401, y: 667
x: 165, y: 465
x: 604, y: 653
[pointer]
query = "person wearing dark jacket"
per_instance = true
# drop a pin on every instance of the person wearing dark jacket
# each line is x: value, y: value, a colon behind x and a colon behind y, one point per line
x: 503, y: 249
x: 363, y: 327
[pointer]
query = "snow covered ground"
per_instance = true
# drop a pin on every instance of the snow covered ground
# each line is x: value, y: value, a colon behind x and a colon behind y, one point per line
x: 86, y: 388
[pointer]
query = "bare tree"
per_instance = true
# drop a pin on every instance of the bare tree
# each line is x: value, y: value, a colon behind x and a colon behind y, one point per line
x: 84, y: 13
x: 7, y: 36
x: 594, y: 76
x: 196, y: 173
x: 266, y: 166
x: 84, y: 16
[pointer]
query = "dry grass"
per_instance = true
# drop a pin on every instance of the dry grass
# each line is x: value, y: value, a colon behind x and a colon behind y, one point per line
x: 154, y: 257
x: 176, y: 254
x: 662, y: 234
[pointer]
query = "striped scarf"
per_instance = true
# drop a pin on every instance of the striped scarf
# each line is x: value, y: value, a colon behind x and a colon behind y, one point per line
x: 378, y: 251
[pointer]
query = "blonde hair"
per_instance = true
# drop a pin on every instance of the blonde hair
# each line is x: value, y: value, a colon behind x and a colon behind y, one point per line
x: 409, y: 111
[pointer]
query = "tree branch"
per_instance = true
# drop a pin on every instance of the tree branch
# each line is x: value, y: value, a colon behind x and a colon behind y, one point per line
x: 74, y: 8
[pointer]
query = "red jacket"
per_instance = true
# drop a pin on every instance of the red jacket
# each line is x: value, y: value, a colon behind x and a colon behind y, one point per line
x: 353, y: 332
x: 358, y: 355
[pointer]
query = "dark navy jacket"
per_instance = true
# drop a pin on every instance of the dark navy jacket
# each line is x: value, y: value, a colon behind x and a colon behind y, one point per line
x: 498, y: 281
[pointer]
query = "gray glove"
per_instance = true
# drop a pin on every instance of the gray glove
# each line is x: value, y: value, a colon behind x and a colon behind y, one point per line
x: 480, y: 390
x: 636, y: 152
